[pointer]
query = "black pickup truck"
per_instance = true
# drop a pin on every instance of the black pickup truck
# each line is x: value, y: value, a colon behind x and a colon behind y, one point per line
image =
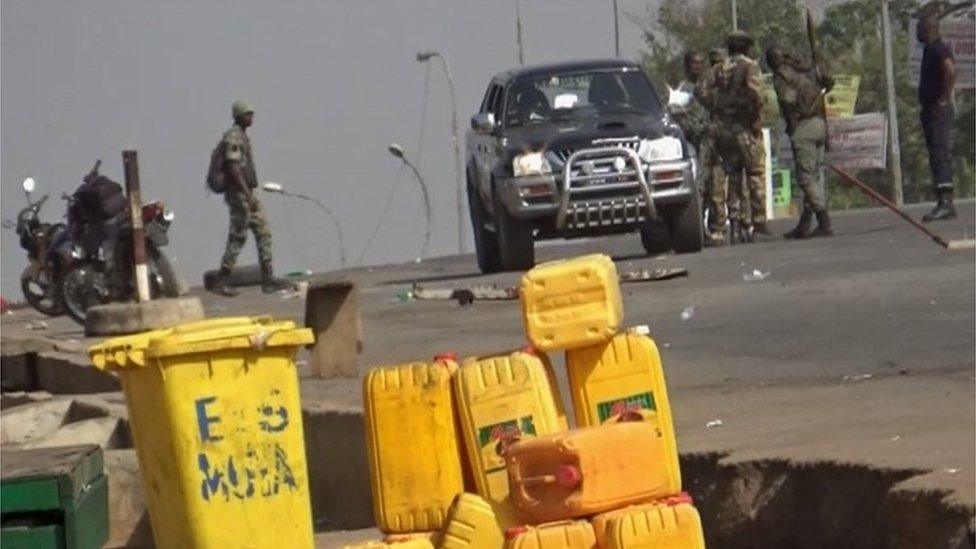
x: 577, y: 150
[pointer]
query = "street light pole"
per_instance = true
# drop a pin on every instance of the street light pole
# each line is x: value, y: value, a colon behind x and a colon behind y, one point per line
x: 735, y: 15
x: 518, y: 32
x: 397, y: 151
x: 616, y: 30
x: 277, y: 188
x: 896, y: 188
x: 459, y: 183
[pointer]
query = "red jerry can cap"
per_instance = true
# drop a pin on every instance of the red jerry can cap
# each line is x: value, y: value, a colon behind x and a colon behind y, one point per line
x: 569, y: 476
x: 516, y: 531
x: 445, y: 356
x: 683, y: 497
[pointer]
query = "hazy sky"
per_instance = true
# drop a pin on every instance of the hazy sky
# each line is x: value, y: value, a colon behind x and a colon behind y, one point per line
x: 333, y: 83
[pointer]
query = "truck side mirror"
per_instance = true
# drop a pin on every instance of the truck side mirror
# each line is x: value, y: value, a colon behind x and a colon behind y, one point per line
x: 483, y: 122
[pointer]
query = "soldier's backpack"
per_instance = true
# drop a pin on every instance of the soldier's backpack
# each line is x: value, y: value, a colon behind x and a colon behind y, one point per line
x: 101, y: 197
x: 215, y: 172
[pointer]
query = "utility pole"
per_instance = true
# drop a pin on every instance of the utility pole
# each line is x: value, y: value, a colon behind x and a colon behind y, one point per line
x: 130, y: 163
x: 896, y: 188
x: 735, y: 16
x: 518, y: 32
x: 616, y: 30
x: 423, y: 57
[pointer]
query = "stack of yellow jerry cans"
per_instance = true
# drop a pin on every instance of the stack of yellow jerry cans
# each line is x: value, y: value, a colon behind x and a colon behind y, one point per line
x: 479, y: 455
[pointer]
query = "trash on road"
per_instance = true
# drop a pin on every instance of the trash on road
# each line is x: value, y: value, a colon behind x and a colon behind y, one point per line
x: 714, y: 423
x: 687, y: 314
x: 952, y: 471
x: 755, y: 276
x: 465, y: 295
x: 36, y: 325
x: 858, y: 378
x: 404, y: 296
x: 651, y: 275
x: 895, y: 438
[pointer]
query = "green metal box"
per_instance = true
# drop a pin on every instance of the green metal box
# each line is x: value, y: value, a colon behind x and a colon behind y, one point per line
x: 53, y: 498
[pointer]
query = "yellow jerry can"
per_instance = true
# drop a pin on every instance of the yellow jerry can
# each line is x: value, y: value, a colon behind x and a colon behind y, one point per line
x: 500, y: 400
x: 216, y: 419
x: 413, y: 445
x: 571, y: 303
x: 622, y: 379
x: 472, y: 523
x: 417, y: 542
x: 566, y: 534
x: 670, y: 524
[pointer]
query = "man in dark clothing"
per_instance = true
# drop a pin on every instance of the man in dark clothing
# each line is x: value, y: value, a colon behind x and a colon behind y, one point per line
x: 937, y: 78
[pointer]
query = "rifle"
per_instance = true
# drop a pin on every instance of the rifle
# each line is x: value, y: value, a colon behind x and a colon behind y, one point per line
x: 815, y: 58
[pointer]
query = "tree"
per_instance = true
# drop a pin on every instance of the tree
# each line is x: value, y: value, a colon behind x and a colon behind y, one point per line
x: 850, y: 37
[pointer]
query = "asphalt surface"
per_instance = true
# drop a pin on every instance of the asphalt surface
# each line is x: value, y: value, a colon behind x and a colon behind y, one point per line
x: 858, y: 348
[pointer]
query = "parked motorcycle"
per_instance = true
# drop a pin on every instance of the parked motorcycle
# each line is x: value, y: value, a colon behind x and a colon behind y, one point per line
x: 47, y: 254
x: 99, y: 275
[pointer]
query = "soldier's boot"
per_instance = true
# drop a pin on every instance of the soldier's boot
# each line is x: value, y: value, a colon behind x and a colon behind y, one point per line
x: 760, y: 233
x: 269, y: 284
x: 804, y: 228
x: 736, y: 234
x: 220, y: 285
x: 944, y: 210
x: 824, y: 227
x: 714, y: 239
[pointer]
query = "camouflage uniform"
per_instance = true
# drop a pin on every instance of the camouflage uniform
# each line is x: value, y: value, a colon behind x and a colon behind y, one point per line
x: 712, y: 177
x: 237, y: 150
x: 737, y: 105
x: 799, y: 93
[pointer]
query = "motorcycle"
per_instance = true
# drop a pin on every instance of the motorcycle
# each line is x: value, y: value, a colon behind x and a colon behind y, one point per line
x: 98, y: 276
x: 47, y: 254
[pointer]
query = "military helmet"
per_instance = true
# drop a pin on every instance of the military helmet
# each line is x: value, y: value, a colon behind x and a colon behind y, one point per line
x: 716, y: 55
x: 241, y: 107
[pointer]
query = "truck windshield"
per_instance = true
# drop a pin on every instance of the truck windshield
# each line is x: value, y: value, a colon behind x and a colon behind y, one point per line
x: 568, y: 96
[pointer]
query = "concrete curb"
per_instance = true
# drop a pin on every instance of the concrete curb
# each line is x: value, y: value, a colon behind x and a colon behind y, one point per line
x: 130, y: 318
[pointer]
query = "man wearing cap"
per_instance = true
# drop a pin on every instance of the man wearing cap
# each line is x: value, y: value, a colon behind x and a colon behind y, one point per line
x: 246, y: 212
x: 737, y: 101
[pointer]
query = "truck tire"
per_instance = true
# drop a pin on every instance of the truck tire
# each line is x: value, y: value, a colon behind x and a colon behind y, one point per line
x: 656, y: 238
x: 515, y: 240
x: 685, y: 221
x: 485, y: 241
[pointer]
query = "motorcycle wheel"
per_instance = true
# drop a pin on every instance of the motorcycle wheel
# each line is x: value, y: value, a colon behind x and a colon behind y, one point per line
x: 82, y: 286
x: 41, y: 294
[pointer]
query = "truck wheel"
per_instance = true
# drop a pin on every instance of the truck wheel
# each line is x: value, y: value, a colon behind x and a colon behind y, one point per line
x: 656, y: 238
x: 485, y: 241
x: 685, y: 221
x: 515, y: 240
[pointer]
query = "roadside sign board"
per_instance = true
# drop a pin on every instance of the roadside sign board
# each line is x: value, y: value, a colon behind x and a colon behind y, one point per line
x: 843, y: 97
x: 856, y: 143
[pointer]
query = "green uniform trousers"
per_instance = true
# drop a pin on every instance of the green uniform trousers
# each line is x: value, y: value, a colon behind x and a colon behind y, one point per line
x: 242, y: 219
x: 809, y: 146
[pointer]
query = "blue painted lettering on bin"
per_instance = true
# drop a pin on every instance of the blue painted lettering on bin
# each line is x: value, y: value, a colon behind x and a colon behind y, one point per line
x: 204, y: 421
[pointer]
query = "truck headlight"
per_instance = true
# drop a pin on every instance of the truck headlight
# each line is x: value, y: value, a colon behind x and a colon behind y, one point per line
x: 661, y: 149
x: 531, y: 164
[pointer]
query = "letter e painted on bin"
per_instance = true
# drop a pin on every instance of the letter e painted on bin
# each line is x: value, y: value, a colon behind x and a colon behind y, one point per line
x: 204, y: 422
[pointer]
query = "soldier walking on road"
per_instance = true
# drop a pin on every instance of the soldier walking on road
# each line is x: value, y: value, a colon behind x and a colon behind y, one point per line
x: 737, y: 103
x: 937, y: 78
x: 800, y: 95
x: 246, y: 212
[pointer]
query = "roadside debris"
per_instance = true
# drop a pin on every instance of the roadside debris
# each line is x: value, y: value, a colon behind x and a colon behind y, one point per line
x: 714, y: 423
x: 687, y: 314
x: 755, y: 276
x: 952, y: 471
x: 464, y: 296
x: 651, y: 275
x: 895, y: 438
x: 857, y: 378
x: 36, y: 325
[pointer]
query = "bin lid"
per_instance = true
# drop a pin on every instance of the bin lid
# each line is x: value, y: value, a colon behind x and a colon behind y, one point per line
x: 219, y: 334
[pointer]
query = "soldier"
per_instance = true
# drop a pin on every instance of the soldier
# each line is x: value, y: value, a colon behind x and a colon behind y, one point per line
x: 713, y: 178
x: 737, y: 104
x: 245, y: 210
x: 937, y: 78
x: 799, y: 90
x: 694, y: 120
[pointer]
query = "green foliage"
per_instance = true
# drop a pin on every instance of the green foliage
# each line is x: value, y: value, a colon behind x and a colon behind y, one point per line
x: 850, y: 43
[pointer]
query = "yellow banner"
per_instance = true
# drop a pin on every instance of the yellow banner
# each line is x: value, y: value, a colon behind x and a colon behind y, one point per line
x: 843, y: 98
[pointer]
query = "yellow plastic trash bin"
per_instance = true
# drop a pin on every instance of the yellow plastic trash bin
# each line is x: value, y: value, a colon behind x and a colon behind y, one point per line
x: 217, y: 424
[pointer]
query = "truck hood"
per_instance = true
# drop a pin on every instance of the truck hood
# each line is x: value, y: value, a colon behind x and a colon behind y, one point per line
x: 574, y: 134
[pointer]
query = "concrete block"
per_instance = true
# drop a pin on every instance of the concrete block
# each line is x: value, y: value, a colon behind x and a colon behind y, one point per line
x: 332, y: 312
x: 34, y: 421
x: 128, y: 518
x: 17, y: 398
x: 18, y: 372
x: 104, y: 431
x: 337, y: 468
x: 131, y: 318
x: 62, y: 374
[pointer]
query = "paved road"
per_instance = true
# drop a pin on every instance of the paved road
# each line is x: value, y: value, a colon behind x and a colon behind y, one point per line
x: 783, y: 362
